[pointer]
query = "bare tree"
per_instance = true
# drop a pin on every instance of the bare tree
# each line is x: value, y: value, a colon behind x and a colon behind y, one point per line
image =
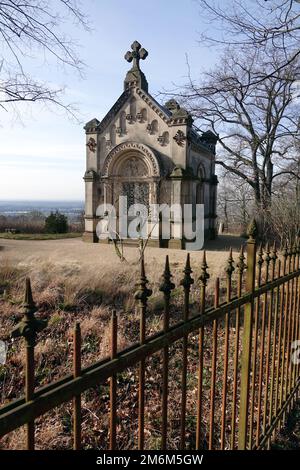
x: 235, y: 203
x: 35, y: 29
x: 257, y: 124
x: 256, y: 24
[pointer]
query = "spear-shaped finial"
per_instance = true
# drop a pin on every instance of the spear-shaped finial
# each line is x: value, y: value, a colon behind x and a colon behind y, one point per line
x: 268, y: 257
x: 143, y: 292
x: 187, y: 280
x: 167, y: 286
x: 29, y: 325
x: 241, y: 265
x: 28, y: 299
x: 260, y: 260
x: 230, y: 264
x: 204, y: 274
x: 274, y: 253
x: 285, y: 250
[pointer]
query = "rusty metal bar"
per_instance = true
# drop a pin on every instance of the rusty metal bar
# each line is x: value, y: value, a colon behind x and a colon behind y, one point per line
x: 247, y: 339
x: 260, y: 262
x: 297, y: 308
x: 203, y: 283
x: 186, y: 282
x: 77, y: 398
x: 289, y: 327
x: 28, y: 328
x: 280, y: 343
x: 113, y: 383
x: 241, y: 267
x: 276, y: 334
x: 214, y: 368
x: 285, y: 330
x: 262, y: 349
x: 141, y: 296
x: 29, y: 393
x: 268, y: 349
x: 19, y: 412
x: 293, y: 304
x: 229, y: 270
x: 166, y: 287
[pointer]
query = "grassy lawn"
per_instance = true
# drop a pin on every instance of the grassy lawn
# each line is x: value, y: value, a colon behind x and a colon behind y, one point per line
x: 39, y: 236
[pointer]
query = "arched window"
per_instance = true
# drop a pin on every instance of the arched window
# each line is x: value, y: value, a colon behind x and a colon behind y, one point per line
x: 142, y: 115
x: 112, y: 135
x: 166, y: 138
x: 154, y: 127
x: 201, y: 171
x: 123, y: 122
x: 133, y: 107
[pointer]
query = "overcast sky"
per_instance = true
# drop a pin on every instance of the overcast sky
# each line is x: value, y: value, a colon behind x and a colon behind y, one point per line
x: 43, y: 157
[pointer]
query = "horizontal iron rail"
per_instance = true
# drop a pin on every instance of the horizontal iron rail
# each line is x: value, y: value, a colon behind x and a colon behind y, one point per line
x: 19, y: 412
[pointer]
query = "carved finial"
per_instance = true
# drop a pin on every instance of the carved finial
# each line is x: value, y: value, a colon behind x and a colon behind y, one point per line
x: 29, y: 326
x: 285, y: 250
x: 274, y: 253
x: 136, y: 54
x: 204, y: 274
x: 187, y: 280
x: 260, y: 260
x: 230, y: 265
x: 167, y: 286
x: 143, y: 292
x: 28, y: 299
x: 268, y: 257
x: 241, y: 265
x: 252, y: 231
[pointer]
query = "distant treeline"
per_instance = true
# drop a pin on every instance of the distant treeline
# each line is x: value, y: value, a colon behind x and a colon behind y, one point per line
x: 35, y: 222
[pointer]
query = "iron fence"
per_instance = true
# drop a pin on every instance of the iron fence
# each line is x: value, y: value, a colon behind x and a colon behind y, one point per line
x: 247, y: 375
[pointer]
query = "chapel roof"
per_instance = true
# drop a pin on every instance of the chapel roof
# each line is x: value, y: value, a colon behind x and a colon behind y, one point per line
x: 171, y: 112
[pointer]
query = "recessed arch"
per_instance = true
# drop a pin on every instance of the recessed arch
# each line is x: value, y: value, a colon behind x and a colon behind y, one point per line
x: 123, y: 122
x: 154, y: 127
x: 129, y: 150
x: 201, y: 171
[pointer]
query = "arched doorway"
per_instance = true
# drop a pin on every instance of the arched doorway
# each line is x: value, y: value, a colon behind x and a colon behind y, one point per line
x: 131, y: 170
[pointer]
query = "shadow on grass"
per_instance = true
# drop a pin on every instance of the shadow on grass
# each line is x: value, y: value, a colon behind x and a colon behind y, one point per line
x: 224, y: 243
x: 289, y: 436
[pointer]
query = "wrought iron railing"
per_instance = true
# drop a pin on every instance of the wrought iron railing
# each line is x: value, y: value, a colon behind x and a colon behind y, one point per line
x: 247, y: 375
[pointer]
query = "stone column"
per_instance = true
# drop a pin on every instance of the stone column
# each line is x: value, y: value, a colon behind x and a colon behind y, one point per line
x: 176, y: 198
x: 91, y: 203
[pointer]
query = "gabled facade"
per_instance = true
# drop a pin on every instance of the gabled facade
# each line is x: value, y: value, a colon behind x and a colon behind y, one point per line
x: 148, y: 152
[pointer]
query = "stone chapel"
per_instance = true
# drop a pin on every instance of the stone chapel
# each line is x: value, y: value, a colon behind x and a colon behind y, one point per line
x: 149, y: 152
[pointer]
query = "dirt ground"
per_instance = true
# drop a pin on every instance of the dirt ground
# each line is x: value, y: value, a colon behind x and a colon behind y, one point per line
x: 74, y: 252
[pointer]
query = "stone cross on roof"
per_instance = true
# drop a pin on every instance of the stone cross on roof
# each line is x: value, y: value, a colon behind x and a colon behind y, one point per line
x: 136, y: 54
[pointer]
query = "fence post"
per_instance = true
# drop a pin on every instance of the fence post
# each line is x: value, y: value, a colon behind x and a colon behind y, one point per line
x: 166, y: 287
x: 28, y: 328
x: 247, y: 338
x: 141, y: 297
